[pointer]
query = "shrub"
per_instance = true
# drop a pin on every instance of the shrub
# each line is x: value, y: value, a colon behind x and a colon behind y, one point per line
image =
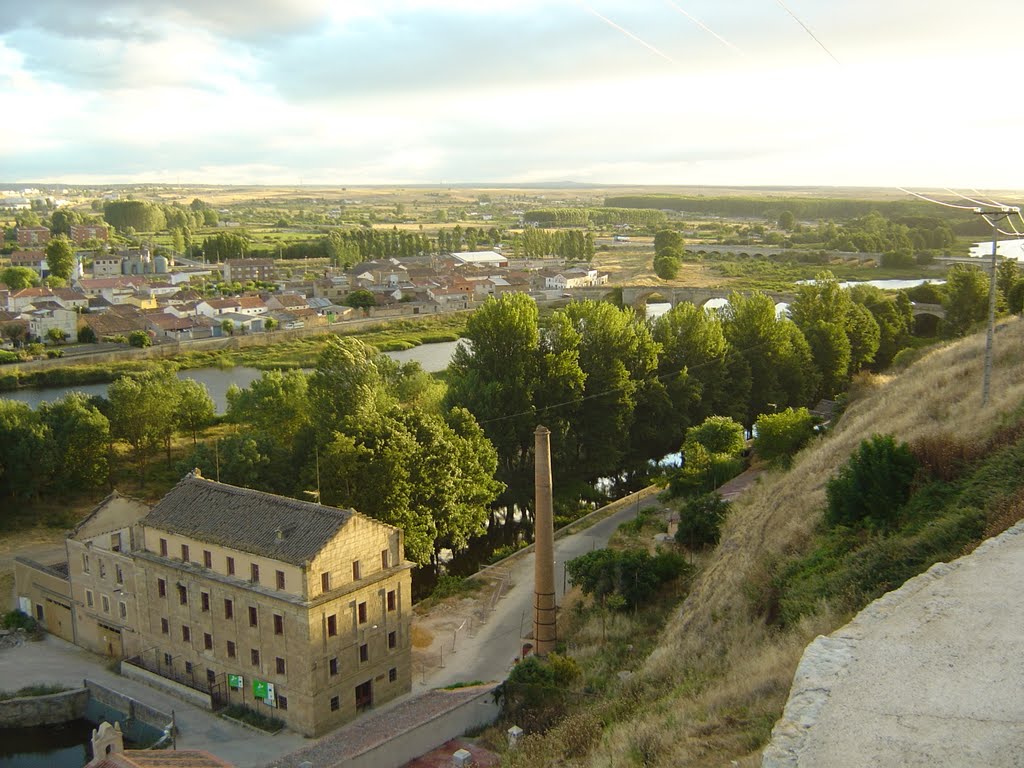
x: 6, y: 356
x: 781, y: 435
x: 873, y: 485
x: 141, y: 338
x: 623, y: 579
x: 253, y: 717
x: 718, y: 434
x: 700, y: 521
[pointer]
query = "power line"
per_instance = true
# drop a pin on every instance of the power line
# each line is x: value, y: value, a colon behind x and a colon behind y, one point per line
x: 1003, y: 205
x: 808, y: 30
x: 705, y: 27
x: 627, y: 33
x: 938, y: 202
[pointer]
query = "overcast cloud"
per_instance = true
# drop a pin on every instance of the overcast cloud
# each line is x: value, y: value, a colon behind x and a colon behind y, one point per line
x: 407, y: 91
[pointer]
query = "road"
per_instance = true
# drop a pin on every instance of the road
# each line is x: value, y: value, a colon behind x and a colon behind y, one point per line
x: 488, y: 653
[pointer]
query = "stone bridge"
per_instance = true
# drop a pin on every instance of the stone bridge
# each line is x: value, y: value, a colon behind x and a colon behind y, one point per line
x: 936, y: 310
x: 638, y: 295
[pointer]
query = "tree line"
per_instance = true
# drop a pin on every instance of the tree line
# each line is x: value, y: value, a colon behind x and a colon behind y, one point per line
x: 584, y: 217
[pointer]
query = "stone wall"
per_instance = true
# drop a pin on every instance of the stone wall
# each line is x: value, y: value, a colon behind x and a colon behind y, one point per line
x: 159, y: 682
x: 43, y: 710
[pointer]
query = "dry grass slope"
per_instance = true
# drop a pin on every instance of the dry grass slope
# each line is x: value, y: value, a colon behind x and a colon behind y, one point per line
x: 719, y: 677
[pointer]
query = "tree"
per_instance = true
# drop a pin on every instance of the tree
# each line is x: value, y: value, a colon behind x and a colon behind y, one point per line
x: 141, y: 339
x: 62, y: 219
x: 86, y: 335
x: 275, y: 404
x: 781, y: 435
x: 56, y: 335
x: 25, y: 458
x: 79, y: 439
x: 346, y: 384
x: 666, y: 267
x: 775, y: 355
x: 718, y: 434
x: 17, y: 278
x: 495, y: 375
x: 668, y: 240
x: 195, y: 407
x: 873, y: 485
x: 228, y: 327
x: 692, y: 366
x: 787, y: 221
x: 60, y: 257
x: 269, y: 324
x: 700, y: 521
x: 360, y: 299
x: 142, y: 413
x: 966, y: 298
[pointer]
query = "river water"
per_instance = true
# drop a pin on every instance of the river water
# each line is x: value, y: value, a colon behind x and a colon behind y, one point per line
x: 432, y: 357
x: 1011, y: 249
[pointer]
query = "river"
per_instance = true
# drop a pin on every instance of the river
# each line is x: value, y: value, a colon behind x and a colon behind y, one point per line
x: 1011, y: 249
x: 432, y: 357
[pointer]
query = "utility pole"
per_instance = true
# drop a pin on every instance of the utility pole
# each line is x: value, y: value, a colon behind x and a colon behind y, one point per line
x: 992, y: 217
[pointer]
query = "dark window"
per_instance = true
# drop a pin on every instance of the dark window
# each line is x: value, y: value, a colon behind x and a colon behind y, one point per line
x: 392, y: 674
x: 364, y: 652
x: 163, y: 547
x: 392, y: 600
x: 332, y: 625
x: 254, y: 573
x: 211, y: 676
x: 335, y: 704
x: 325, y: 582
x: 282, y: 702
x: 279, y: 665
x: 165, y: 626
x: 184, y: 553
x: 88, y: 598
x: 161, y: 587
x: 103, y: 569
x: 280, y: 579
x: 85, y: 563
x: 115, y: 542
x: 168, y: 659
x: 332, y: 665
x: 123, y: 607
x: 229, y: 609
x: 278, y: 624
x: 231, y: 566
x: 186, y: 633
x: 253, y: 616
x: 355, y: 570
x: 384, y: 558
x: 118, y: 574
x: 204, y: 599
x: 39, y: 612
x: 207, y: 641
x: 254, y: 656
x: 183, y: 594
x: 188, y: 667
x: 362, y: 613
x: 207, y: 558
x: 392, y: 639
x: 231, y: 649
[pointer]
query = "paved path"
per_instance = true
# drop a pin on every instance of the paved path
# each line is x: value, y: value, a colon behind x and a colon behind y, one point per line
x: 489, y: 653
x: 928, y: 675
x: 56, y: 661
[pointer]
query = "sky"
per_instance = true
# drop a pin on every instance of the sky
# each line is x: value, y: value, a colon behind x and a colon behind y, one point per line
x: 916, y: 93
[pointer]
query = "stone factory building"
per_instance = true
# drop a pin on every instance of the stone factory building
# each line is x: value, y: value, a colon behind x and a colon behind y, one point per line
x: 299, y: 610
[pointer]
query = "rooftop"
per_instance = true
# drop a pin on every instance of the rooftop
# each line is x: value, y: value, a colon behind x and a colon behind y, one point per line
x: 277, y: 527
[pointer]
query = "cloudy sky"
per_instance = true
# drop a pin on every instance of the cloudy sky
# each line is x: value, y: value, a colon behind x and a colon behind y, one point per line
x: 922, y: 93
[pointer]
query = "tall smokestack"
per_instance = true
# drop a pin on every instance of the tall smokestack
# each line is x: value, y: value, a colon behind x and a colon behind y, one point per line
x: 544, y: 548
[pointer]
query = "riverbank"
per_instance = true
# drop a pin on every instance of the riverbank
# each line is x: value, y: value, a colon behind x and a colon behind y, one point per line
x: 287, y: 349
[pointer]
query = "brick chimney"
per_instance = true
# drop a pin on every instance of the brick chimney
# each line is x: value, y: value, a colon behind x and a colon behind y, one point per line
x: 544, y: 548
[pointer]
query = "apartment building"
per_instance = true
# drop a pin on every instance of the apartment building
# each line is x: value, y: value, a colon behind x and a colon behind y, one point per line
x: 273, y: 602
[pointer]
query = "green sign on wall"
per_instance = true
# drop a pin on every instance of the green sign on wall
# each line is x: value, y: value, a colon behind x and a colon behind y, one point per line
x: 235, y: 681
x: 259, y: 689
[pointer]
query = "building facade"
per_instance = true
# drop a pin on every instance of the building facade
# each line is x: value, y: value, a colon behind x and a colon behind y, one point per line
x: 32, y: 235
x: 251, y: 598
x: 269, y: 601
x: 243, y: 270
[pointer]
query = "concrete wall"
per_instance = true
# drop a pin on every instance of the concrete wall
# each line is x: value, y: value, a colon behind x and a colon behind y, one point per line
x: 126, y: 704
x: 43, y: 710
x: 154, y: 680
x: 474, y: 713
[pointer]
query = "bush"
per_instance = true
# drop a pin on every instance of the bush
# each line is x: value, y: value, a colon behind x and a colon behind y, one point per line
x: 624, y: 579
x: 141, y: 339
x: 253, y: 717
x: 718, y: 434
x: 873, y: 485
x: 781, y: 435
x: 700, y: 521
x: 21, y: 620
x: 6, y: 356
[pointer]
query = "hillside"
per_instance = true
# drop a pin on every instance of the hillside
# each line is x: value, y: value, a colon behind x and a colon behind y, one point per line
x: 719, y: 677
